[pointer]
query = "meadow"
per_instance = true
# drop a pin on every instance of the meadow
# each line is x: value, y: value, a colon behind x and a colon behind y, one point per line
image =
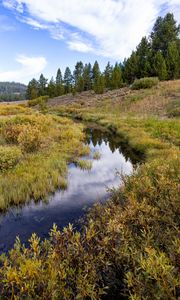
x: 129, y: 247
x: 34, y: 152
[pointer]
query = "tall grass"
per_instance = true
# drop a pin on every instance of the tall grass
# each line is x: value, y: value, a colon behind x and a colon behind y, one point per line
x: 47, y: 143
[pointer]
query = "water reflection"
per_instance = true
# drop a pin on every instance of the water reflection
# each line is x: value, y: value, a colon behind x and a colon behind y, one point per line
x: 84, y: 189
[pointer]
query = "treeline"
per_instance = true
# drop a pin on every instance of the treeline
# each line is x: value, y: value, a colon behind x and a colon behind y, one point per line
x: 156, y: 56
x: 12, y: 91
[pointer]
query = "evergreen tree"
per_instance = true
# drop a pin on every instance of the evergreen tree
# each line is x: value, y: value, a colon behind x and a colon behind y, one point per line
x: 143, y: 53
x: 131, y: 68
x: 42, y: 85
x: 59, y: 80
x: 116, y: 80
x: 164, y: 31
x: 87, y: 77
x: 160, y: 66
x: 59, y: 83
x: 78, y: 71
x: 96, y: 73
x: 99, y: 85
x: 32, y: 91
x: 51, y: 88
x: 108, y: 75
x: 80, y: 84
x: 173, y: 60
x: 68, y: 80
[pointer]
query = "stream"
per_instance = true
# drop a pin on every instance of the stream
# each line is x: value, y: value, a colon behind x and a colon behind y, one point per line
x: 85, y: 187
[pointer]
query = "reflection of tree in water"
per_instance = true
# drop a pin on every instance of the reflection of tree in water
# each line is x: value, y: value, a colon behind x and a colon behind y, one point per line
x: 97, y: 137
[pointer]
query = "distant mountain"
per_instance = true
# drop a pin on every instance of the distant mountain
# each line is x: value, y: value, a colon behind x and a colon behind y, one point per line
x: 12, y: 91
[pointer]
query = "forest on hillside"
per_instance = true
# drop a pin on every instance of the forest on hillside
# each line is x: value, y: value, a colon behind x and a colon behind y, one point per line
x: 12, y: 91
x: 157, y: 55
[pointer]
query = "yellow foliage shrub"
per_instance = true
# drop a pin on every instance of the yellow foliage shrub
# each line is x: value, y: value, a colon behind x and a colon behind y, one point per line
x: 30, y: 138
x: 9, y: 157
x: 11, y: 132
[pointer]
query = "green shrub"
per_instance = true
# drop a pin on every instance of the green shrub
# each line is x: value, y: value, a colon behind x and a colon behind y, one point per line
x: 9, y: 157
x: 145, y: 83
x: 42, y: 100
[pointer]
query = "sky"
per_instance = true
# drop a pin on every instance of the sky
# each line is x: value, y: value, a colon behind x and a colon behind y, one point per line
x: 39, y: 36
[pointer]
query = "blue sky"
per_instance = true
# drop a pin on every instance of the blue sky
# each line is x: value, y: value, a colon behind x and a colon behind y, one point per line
x: 38, y: 36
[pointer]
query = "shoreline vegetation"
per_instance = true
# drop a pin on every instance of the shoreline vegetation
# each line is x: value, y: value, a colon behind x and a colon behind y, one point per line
x: 129, y: 247
x: 35, y: 150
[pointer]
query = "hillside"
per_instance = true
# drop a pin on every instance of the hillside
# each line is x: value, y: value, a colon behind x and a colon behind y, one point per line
x: 162, y: 101
x: 12, y: 91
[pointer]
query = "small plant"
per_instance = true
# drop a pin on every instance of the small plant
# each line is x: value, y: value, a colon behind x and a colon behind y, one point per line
x: 145, y: 83
x: 97, y: 155
x: 9, y: 157
x: 83, y: 164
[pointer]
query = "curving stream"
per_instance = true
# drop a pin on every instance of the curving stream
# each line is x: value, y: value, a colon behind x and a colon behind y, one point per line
x: 84, y: 189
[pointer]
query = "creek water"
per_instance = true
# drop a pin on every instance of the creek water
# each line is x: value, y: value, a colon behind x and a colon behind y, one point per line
x: 85, y: 187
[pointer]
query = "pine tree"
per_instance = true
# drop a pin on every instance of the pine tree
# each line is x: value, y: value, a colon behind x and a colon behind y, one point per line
x: 68, y: 80
x: 131, y: 68
x: 78, y: 71
x: 87, y: 77
x: 108, y: 75
x: 116, y: 81
x: 99, y: 85
x: 59, y: 77
x: 80, y: 84
x: 42, y: 85
x: 164, y: 31
x: 51, y: 88
x: 32, y: 91
x: 143, y: 52
x: 173, y: 60
x: 59, y: 83
x: 160, y: 66
x: 96, y: 73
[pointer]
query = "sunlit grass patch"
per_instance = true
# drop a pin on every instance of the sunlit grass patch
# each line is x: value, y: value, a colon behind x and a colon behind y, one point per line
x: 12, y: 109
x: 46, y: 144
x: 83, y: 164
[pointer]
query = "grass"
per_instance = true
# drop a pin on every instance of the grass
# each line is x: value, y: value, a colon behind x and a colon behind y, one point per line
x: 129, y: 247
x: 43, y: 145
x: 83, y: 164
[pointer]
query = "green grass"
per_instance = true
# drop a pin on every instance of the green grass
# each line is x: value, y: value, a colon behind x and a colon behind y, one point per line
x: 83, y: 164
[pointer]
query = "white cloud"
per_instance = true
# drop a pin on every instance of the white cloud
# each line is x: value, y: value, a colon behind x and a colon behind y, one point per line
x: 76, y: 42
x: 34, y: 23
x: 30, y: 67
x: 107, y: 27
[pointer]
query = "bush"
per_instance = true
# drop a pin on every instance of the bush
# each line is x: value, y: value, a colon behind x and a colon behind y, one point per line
x: 11, y: 132
x: 9, y: 157
x: 30, y: 138
x: 145, y: 83
x: 38, y: 101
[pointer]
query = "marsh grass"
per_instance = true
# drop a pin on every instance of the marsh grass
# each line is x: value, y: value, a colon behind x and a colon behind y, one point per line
x: 83, y: 164
x: 46, y: 144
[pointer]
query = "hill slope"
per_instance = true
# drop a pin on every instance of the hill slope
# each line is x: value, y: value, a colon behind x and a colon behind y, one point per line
x: 12, y: 91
